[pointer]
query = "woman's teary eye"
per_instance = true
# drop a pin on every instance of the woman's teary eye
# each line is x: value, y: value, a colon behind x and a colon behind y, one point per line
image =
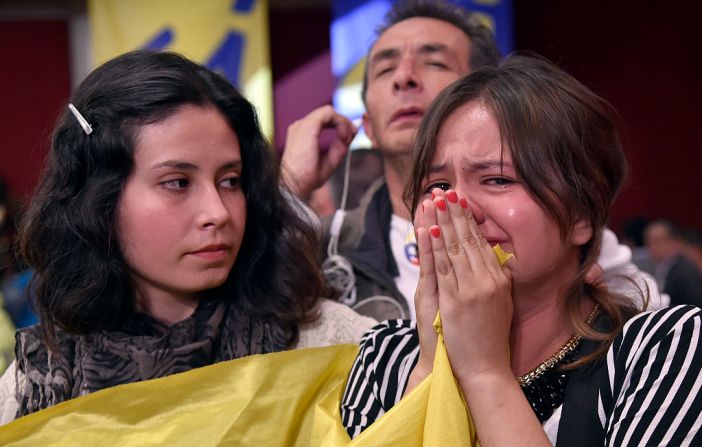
x: 499, y: 181
x: 441, y: 185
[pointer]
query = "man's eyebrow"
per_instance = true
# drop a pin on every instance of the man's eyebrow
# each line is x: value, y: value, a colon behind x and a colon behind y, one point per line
x: 392, y: 53
x: 431, y: 48
x: 385, y: 54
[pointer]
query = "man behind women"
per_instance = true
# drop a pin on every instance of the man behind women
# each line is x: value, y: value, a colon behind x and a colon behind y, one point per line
x: 422, y: 48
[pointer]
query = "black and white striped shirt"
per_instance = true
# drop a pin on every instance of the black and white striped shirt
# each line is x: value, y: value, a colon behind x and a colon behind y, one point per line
x: 648, y: 389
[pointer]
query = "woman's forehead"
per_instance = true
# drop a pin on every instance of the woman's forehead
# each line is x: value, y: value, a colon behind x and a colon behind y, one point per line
x: 470, y: 133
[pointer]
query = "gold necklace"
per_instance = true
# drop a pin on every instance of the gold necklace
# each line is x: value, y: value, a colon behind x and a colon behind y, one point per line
x: 571, y: 344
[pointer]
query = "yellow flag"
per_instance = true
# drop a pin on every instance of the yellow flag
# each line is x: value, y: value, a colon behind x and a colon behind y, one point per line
x: 262, y: 400
x: 433, y: 415
x: 282, y: 399
x: 229, y: 36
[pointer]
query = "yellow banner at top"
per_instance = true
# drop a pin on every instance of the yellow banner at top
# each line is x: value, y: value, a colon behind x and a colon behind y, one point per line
x: 228, y: 36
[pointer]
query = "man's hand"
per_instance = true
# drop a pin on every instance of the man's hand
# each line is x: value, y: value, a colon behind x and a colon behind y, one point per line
x: 304, y: 167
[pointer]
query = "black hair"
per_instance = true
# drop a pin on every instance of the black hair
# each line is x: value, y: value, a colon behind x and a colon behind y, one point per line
x: 81, y: 281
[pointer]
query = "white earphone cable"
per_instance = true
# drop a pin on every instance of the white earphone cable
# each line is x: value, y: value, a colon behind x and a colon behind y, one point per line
x: 336, y: 268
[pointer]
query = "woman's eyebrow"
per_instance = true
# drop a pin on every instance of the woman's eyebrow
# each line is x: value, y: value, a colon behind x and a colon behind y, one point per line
x: 230, y: 166
x: 236, y: 164
x: 488, y: 164
x: 480, y: 165
x: 433, y: 169
x: 184, y: 165
x: 177, y: 164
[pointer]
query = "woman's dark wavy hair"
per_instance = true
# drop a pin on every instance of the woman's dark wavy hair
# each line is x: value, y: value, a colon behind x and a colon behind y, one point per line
x: 69, y: 237
x: 566, y: 150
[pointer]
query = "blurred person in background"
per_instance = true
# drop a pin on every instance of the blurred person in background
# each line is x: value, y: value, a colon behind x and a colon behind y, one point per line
x: 692, y: 246
x: 633, y: 237
x: 14, y: 275
x: 7, y: 327
x: 675, y: 274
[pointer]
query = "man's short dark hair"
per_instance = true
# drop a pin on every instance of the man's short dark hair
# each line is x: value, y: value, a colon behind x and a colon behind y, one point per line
x: 483, y: 48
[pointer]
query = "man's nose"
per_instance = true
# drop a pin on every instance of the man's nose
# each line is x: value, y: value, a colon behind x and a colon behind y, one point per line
x: 406, y: 76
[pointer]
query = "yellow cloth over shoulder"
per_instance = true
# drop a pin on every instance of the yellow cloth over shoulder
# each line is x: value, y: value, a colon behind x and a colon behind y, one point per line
x: 283, y: 399
x: 261, y: 400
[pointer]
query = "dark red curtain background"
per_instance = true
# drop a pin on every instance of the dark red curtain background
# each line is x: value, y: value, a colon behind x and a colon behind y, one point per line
x: 34, y: 85
x: 643, y: 57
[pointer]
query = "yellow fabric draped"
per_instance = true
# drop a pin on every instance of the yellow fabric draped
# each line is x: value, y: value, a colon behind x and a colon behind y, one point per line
x: 261, y: 400
x: 283, y: 399
x: 434, y: 414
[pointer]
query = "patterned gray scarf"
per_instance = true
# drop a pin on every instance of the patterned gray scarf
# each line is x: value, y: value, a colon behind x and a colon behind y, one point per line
x: 144, y: 349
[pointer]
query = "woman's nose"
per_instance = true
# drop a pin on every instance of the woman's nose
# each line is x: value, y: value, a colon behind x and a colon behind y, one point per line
x: 213, y: 212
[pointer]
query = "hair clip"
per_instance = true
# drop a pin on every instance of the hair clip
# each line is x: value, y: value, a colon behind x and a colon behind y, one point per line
x: 82, y: 121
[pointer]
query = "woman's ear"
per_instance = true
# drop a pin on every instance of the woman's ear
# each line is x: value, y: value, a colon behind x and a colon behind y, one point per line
x: 582, y: 232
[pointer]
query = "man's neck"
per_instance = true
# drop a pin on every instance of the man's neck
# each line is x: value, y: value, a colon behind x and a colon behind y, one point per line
x: 396, y: 169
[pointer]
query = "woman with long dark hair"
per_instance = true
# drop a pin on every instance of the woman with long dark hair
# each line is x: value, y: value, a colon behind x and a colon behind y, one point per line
x: 524, y: 156
x: 161, y: 240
